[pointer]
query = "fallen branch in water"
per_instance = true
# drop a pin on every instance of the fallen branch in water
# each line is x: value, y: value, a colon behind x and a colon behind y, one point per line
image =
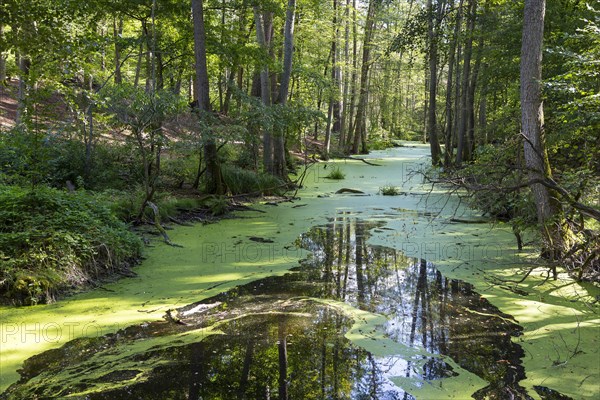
x: 158, y: 225
x: 348, y: 190
x: 470, y: 221
x: 363, y: 160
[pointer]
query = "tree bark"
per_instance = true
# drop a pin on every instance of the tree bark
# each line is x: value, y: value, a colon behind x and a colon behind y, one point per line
x: 24, y: 64
x: 449, y: 146
x: 2, y: 57
x: 462, y: 151
x: 532, y: 120
x: 431, y: 115
x: 361, y: 110
x: 279, y: 156
x: 336, y: 73
x: 214, y: 182
x: 117, y: 31
x: 265, y: 92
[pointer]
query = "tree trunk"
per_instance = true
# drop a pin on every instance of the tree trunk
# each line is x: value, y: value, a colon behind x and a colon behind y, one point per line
x: 2, y: 58
x: 431, y: 115
x: 354, y: 80
x: 471, y: 99
x: 346, y: 108
x: 117, y: 31
x: 214, y: 181
x: 549, y: 213
x: 138, y: 65
x: 265, y: 93
x: 279, y: 156
x: 24, y: 64
x: 361, y: 110
x: 336, y: 73
x: 462, y: 151
x: 449, y: 147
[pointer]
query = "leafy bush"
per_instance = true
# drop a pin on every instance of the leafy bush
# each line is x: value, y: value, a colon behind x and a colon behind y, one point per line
x: 53, y: 240
x: 495, y: 172
x: 126, y: 204
x: 218, y: 205
x: 389, y: 190
x: 53, y: 158
x: 337, y: 174
x: 241, y: 181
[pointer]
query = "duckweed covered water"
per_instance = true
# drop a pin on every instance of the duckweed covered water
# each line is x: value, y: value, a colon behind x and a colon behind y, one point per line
x: 284, y: 337
x: 122, y: 344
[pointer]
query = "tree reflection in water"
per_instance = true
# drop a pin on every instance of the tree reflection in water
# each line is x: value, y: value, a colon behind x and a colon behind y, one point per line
x: 277, y: 345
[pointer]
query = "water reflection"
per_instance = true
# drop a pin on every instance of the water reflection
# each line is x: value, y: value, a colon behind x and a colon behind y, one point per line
x: 278, y: 345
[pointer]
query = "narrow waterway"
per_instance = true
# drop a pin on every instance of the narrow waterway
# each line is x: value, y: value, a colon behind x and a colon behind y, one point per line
x: 376, y: 298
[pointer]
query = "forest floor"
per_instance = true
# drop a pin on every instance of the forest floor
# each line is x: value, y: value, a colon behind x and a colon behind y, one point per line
x: 8, y: 104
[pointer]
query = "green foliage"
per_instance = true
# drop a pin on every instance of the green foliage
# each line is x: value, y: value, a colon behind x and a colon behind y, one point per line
x: 54, y: 158
x: 52, y: 240
x: 135, y: 108
x: 390, y: 190
x: 126, y: 204
x: 495, y: 173
x: 218, y: 205
x: 336, y: 173
x: 240, y: 181
x: 573, y: 95
x: 380, y: 143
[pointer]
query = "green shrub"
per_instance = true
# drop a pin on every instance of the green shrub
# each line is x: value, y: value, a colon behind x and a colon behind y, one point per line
x: 337, y: 174
x: 52, y: 240
x: 389, y: 190
x: 493, y: 170
x: 241, y: 181
x: 218, y: 205
x: 126, y: 204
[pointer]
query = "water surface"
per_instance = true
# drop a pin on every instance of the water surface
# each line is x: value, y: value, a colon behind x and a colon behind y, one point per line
x: 285, y: 336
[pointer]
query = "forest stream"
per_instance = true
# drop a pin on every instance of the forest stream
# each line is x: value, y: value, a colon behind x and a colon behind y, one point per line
x: 329, y: 296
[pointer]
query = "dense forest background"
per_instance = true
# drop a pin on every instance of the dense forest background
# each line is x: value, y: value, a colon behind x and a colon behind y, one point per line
x: 115, y: 112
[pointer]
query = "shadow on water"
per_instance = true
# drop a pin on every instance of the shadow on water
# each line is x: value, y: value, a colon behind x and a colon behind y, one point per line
x: 274, y: 342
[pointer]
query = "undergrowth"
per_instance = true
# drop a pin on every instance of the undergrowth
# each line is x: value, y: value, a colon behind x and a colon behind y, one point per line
x: 241, y: 181
x: 336, y: 173
x: 52, y: 241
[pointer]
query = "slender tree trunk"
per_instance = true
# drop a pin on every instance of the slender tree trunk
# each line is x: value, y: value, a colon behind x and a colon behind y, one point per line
x: 449, y: 112
x: 214, y: 182
x: 336, y: 72
x: 472, y: 90
x: 549, y: 212
x: 265, y: 93
x: 327, y: 144
x: 346, y: 108
x: 354, y: 81
x: 24, y: 64
x: 361, y: 110
x: 483, y: 115
x: 117, y: 31
x: 138, y: 65
x: 431, y: 116
x: 462, y: 151
x: 2, y: 57
x: 279, y: 156
x: 457, y: 94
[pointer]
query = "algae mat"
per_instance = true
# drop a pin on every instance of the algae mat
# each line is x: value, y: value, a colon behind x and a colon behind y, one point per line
x: 559, y: 318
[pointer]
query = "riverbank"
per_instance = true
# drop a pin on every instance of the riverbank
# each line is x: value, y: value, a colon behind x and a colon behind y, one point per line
x: 560, y: 323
